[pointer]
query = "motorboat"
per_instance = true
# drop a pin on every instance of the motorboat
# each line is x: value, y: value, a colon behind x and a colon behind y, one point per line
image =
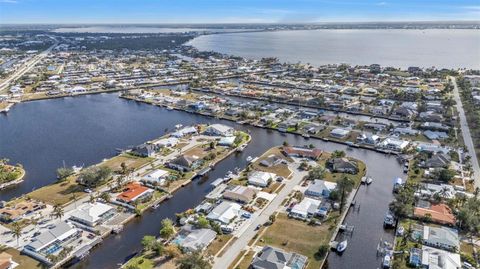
x: 369, y: 180
x: 364, y: 180
x: 400, y: 231
x: 388, y: 220
x: 387, y: 261
x: 178, y: 126
x: 249, y: 158
x: 342, y: 246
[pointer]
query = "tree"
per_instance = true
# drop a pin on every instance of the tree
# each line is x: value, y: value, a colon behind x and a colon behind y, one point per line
x: 272, y: 218
x: 316, y: 173
x: 338, y: 154
x: 172, y: 251
x: 193, y: 260
x: 159, y: 248
x: 322, y: 251
x: 64, y: 172
x: 285, y: 144
x: 75, y: 199
x: 94, y: 176
x: 202, y: 222
x: 16, y: 230
x: 57, y: 211
x: 105, y: 196
x: 91, y: 199
x: 344, y: 186
x: 148, y: 242
x: 446, y: 175
x: 167, y: 230
x: 404, y: 200
x: 123, y: 168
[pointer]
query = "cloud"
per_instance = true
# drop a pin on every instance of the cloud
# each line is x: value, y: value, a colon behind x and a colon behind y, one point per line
x: 9, y: 1
x: 383, y: 3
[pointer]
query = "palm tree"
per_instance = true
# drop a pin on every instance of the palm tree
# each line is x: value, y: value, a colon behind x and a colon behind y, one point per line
x: 344, y: 186
x: 16, y: 231
x: 57, y: 211
x: 75, y: 199
x: 92, y: 199
x: 192, y: 260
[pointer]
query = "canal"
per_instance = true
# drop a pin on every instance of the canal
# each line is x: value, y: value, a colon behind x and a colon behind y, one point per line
x: 42, y: 135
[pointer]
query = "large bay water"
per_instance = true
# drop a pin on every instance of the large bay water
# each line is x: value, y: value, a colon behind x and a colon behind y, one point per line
x: 442, y: 48
x: 85, y: 129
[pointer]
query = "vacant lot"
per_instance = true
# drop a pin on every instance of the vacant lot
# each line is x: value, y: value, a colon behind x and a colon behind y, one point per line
x: 61, y: 192
x: 24, y: 261
x: 132, y: 162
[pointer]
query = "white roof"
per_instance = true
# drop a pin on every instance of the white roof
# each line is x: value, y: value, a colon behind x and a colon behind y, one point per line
x: 166, y: 141
x: 157, y: 174
x: 61, y: 231
x: 220, y: 128
x: 440, y: 259
x: 260, y: 177
x: 305, y: 206
x: 224, y: 212
x: 90, y: 212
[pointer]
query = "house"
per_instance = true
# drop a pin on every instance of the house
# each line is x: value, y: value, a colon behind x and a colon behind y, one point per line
x: 166, y: 142
x: 260, y: 178
x: 435, y: 135
x: 144, y: 150
x: 368, y: 139
x: 52, y: 240
x: 240, y: 194
x: 92, y: 214
x: 133, y: 192
x: 393, y: 144
x: 227, y: 141
x: 307, y: 208
x: 342, y: 165
x: 439, y: 160
x: 19, y: 210
x: 192, y: 239
x: 185, y: 162
x: 186, y: 131
x: 6, y: 261
x: 441, y: 237
x: 439, y: 213
x: 339, y: 133
x: 225, y: 212
x: 155, y: 178
x: 312, y: 153
x: 433, y: 258
x: 320, y: 188
x: 219, y: 130
x: 271, y: 160
x: 275, y: 258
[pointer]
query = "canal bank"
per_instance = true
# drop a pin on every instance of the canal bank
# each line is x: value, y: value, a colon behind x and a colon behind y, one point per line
x: 101, y: 123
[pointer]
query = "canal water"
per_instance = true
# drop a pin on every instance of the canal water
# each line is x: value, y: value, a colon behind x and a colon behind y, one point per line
x: 85, y: 129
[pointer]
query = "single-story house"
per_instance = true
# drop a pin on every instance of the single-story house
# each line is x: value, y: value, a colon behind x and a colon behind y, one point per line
x: 439, y: 160
x: 275, y: 258
x: 166, y: 142
x: 260, y: 178
x: 441, y: 237
x: 339, y: 133
x: 368, y: 139
x: 307, y: 208
x: 342, y: 165
x: 185, y: 162
x: 225, y: 212
x: 312, y: 153
x: 227, y: 141
x: 393, y: 144
x: 439, y: 213
x: 320, y: 188
x: 271, y: 160
x: 240, y: 194
x: 92, y: 214
x: 219, y: 130
x: 6, y: 261
x: 433, y: 258
x: 192, y: 239
x: 144, y: 150
x: 156, y: 177
x: 19, y: 210
x: 185, y: 132
x: 133, y: 192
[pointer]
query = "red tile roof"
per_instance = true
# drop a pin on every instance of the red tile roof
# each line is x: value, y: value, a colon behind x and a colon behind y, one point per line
x: 439, y: 213
x: 132, y: 191
x: 312, y: 153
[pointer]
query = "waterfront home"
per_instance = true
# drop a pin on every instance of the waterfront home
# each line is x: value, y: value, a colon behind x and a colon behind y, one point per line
x: 431, y: 148
x: 339, y: 133
x: 260, y: 178
x: 312, y: 153
x: 404, y: 112
x: 375, y: 126
x: 166, y: 142
x: 92, y: 214
x: 435, y: 135
x: 241, y: 194
x: 275, y: 258
x: 430, y: 116
x: 433, y: 258
x: 368, y: 139
x: 6, y: 261
x: 405, y: 131
x: 434, y: 126
x: 271, y: 160
x: 428, y: 190
x: 191, y: 239
x: 227, y: 141
x: 438, y: 213
x: 186, y: 131
x: 395, y: 144
x: 342, y: 165
x: 144, y: 150
x: 439, y: 160
x: 439, y: 237
x: 313, y: 128
x: 225, y: 212
x: 134, y: 192
x: 19, y: 211
x: 156, y: 177
x: 320, y: 188
x: 306, y: 209
x: 52, y: 241
x: 219, y: 130
x: 185, y: 162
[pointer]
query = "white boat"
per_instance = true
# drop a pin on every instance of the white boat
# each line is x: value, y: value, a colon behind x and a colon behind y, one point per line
x: 400, y: 231
x: 249, y: 158
x: 387, y: 261
x: 306, y: 135
x: 388, y: 220
x: 342, y: 246
x: 364, y: 180
x: 242, y: 147
x: 77, y: 169
x: 178, y: 126
x: 369, y: 180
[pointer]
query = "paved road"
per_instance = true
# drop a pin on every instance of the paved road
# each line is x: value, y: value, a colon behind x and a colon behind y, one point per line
x: 467, y: 137
x: 248, y: 233
x: 25, y: 68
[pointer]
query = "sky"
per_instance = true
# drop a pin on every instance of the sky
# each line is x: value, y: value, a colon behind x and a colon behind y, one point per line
x: 234, y: 11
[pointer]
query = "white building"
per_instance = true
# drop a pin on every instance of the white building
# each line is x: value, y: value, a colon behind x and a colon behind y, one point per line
x: 92, y: 214
x: 224, y: 212
x: 260, y: 179
x: 52, y: 240
x: 433, y: 258
x: 156, y: 177
x: 305, y: 209
x: 166, y: 142
x: 219, y: 130
x: 394, y: 144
